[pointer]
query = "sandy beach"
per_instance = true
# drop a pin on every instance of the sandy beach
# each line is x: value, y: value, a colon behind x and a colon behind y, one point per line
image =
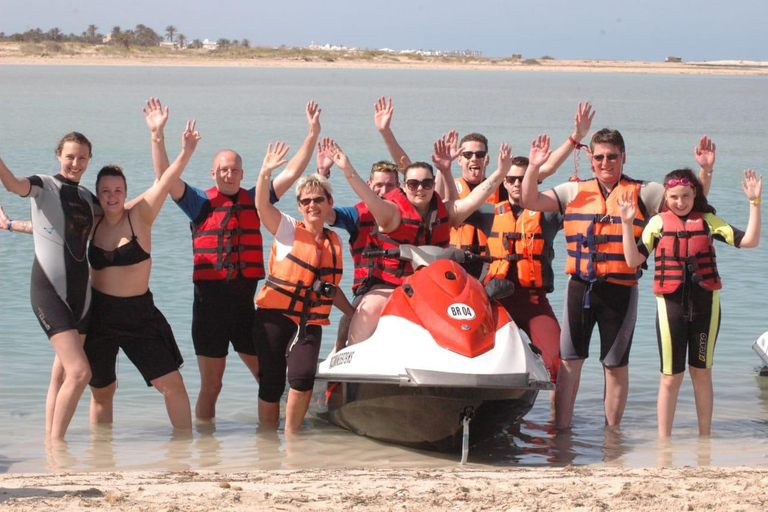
x: 92, y: 55
x: 468, y: 489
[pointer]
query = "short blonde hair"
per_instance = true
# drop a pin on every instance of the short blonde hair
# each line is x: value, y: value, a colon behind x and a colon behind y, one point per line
x: 314, y: 181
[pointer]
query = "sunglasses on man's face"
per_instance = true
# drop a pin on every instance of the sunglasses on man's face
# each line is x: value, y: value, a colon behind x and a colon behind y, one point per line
x: 610, y: 156
x: 478, y: 154
x: 307, y: 200
x: 511, y: 180
x: 426, y: 184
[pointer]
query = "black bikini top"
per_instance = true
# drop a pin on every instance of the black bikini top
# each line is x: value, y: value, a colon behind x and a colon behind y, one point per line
x: 127, y: 254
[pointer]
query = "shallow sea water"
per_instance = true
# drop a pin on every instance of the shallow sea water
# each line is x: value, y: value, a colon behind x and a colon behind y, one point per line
x: 661, y: 118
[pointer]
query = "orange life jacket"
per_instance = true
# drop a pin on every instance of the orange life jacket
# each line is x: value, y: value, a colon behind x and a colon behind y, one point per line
x: 467, y: 237
x: 412, y: 230
x: 520, y: 240
x: 228, y: 241
x: 288, y: 288
x: 361, y: 242
x: 593, y: 233
x: 685, y: 248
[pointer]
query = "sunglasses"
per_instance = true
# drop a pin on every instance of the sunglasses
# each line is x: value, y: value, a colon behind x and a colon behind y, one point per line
x: 308, y: 200
x: 511, y: 180
x: 675, y: 182
x: 610, y: 156
x: 478, y: 154
x: 426, y: 184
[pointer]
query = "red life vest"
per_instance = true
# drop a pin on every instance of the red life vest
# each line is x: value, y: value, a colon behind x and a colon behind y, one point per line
x: 228, y: 241
x: 361, y: 242
x: 289, y: 286
x: 520, y: 240
x: 467, y: 237
x: 685, y: 249
x: 412, y: 230
x: 593, y: 234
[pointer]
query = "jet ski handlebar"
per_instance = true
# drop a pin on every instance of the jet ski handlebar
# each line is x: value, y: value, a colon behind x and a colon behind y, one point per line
x: 424, y: 255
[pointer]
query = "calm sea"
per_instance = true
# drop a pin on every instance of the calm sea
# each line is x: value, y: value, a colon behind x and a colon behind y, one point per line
x: 661, y: 118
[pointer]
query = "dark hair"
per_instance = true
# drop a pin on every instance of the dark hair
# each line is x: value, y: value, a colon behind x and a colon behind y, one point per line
x: 474, y: 137
x: 77, y: 138
x: 387, y: 167
x: 111, y: 170
x: 520, y: 161
x: 607, y: 136
x: 700, y: 203
x: 421, y: 165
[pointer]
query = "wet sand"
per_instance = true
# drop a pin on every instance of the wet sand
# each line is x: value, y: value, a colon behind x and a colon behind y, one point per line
x: 423, y: 490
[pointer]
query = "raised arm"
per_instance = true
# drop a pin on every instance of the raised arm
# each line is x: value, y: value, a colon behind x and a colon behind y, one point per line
x: 382, y: 116
x: 628, y: 211
x: 460, y: 209
x: 152, y: 200
x: 285, y: 180
x: 269, y: 215
x: 445, y: 151
x: 156, y: 117
x: 18, y: 186
x: 581, y: 123
x: 532, y: 199
x: 705, y: 156
x: 22, y: 226
x: 385, y: 212
x: 753, y: 188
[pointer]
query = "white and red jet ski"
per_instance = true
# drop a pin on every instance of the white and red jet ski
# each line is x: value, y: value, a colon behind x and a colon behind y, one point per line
x: 443, y: 355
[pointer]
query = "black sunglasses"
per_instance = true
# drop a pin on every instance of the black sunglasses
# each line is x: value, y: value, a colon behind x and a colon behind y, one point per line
x: 610, y: 156
x: 317, y: 200
x: 426, y: 184
x: 478, y: 154
x: 511, y: 180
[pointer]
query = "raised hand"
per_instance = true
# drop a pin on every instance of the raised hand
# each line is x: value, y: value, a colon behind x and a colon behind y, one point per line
x: 190, y: 137
x: 539, y: 151
x: 275, y: 156
x: 442, y: 157
x: 313, y: 116
x: 705, y: 153
x: 155, y: 115
x: 324, y: 162
x: 583, y: 120
x: 453, y: 144
x: 505, y: 158
x: 752, y: 185
x: 627, y: 207
x: 382, y: 113
x: 336, y: 154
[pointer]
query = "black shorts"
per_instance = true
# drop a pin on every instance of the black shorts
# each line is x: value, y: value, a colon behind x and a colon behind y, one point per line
x: 274, y: 334
x: 54, y: 314
x: 612, y: 306
x: 222, y: 312
x: 139, y: 328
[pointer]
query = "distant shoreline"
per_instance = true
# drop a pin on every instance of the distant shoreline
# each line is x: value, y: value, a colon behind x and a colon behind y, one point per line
x: 99, y: 55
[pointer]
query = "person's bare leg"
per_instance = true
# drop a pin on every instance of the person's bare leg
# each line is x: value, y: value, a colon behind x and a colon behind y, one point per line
x: 211, y: 375
x: 296, y: 409
x: 269, y: 414
x: 172, y: 387
x: 77, y: 372
x: 366, y: 317
x: 615, y: 393
x: 568, y: 379
x: 342, y: 335
x: 57, y: 379
x: 669, y: 388
x: 252, y: 362
x: 102, y: 400
x: 704, y: 397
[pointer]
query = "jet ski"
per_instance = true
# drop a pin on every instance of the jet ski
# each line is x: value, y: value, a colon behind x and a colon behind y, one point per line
x: 445, y: 363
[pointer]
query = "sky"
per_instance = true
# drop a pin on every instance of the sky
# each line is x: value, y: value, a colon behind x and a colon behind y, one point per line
x: 564, y: 29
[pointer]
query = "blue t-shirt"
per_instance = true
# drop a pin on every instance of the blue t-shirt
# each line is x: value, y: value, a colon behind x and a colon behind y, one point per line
x: 196, y: 205
x: 346, y: 218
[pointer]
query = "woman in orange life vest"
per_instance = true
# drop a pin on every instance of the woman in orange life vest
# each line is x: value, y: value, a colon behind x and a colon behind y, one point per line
x: 413, y: 215
x: 304, y: 273
x: 686, y: 283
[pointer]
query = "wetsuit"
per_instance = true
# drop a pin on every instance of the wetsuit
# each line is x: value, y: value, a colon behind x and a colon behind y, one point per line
x: 688, y: 316
x: 62, y: 218
x: 131, y: 323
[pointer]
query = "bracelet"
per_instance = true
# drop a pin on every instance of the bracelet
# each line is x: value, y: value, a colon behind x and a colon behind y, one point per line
x: 756, y: 201
x: 576, y: 145
x: 158, y: 140
x: 8, y: 225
